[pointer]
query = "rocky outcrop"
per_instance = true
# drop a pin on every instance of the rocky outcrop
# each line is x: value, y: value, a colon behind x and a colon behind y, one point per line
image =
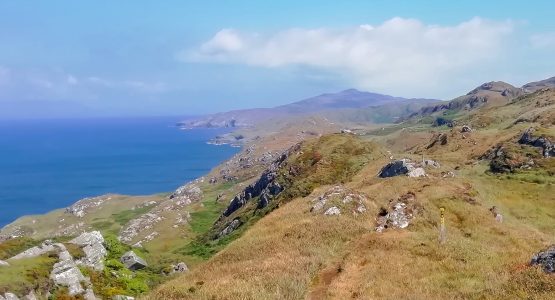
x: 122, y: 297
x: 339, y: 199
x: 132, y: 261
x: 548, y: 148
x: 92, y: 245
x: 265, y: 187
x: 44, y: 248
x: 138, y: 225
x: 187, y: 194
x: 501, y: 161
x: 4, y: 263
x: 546, y: 259
x: 398, y: 214
x: 402, y: 167
x: 84, y: 206
x: 66, y: 273
x: 230, y: 228
x: 438, y: 139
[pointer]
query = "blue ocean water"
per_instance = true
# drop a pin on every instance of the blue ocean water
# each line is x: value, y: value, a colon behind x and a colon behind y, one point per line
x: 50, y: 164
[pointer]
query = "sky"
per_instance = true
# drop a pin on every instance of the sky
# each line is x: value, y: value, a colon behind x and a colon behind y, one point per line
x: 72, y: 59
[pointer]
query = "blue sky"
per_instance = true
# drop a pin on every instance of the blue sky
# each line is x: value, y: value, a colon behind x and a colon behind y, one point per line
x: 130, y: 58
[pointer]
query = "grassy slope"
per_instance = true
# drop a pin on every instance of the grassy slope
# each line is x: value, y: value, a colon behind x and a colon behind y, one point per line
x: 292, y: 253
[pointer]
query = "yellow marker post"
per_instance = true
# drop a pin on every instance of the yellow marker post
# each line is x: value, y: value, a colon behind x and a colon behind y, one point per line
x: 442, y: 231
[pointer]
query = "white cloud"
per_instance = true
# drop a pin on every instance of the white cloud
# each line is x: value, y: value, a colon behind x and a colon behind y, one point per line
x: 398, y: 52
x: 543, y: 40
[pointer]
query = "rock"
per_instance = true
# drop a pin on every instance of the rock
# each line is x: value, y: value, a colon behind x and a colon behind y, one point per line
x: 347, y: 131
x: 332, y: 211
x: 440, y: 139
x: 466, y: 128
x: 92, y: 245
x: 89, y: 295
x: 495, y: 212
x: 122, y: 297
x: 230, y: 228
x: 188, y: 193
x: 337, y: 199
x: 4, y: 263
x: 396, y: 168
x: 44, y: 248
x: 10, y: 296
x: 399, y: 213
x: 265, y: 187
x: 137, y: 226
x: 431, y: 163
x: 132, y: 261
x: 30, y: 296
x: 546, y: 259
x: 84, y: 206
x: 417, y: 172
x: 66, y: 272
x: 180, y: 268
x: 548, y: 148
x: 439, y: 121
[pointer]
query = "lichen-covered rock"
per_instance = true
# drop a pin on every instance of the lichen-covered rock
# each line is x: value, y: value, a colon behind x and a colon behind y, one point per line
x: 66, y: 273
x: 337, y: 199
x: 399, y: 213
x: 417, y: 172
x: 546, y: 259
x: 44, y: 248
x: 132, y: 261
x: 92, y: 245
x: 180, y: 268
x: 10, y: 296
x: 332, y: 211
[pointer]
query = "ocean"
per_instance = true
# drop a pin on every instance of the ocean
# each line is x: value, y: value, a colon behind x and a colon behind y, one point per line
x: 50, y: 164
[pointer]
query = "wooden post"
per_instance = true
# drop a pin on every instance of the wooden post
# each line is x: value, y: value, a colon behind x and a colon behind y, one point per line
x: 442, y: 230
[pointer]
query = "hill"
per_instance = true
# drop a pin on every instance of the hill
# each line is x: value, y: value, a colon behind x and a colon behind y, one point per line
x: 344, y: 100
x: 308, y: 210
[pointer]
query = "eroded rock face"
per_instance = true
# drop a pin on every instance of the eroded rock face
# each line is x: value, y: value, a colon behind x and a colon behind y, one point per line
x: 265, y: 187
x: 92, y: 245
x: 84, y: 206
x: 132, y: 261
x: 548, y: 148
x: 44, y: 248
x: 546, y: 259
x: 66, y: 273
x: 399, y: 213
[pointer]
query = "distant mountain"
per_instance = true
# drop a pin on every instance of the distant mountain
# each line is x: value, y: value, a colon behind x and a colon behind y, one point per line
x: 494, y: 93
x: 344, y: 100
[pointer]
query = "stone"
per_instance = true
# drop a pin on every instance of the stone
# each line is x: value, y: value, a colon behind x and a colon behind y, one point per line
x: 44, y: 248
x: 546, y: 259
x: 92, y: 245
x: 180, y: 268
x: 466, y: 128
x: 84, y: 206
x: 66, y: 273
x: 332, y: 211
x: 431, y: 163
x: 417, y: 172
x: 132, y: 261
x: 495, y: 212
x: 4, y: 263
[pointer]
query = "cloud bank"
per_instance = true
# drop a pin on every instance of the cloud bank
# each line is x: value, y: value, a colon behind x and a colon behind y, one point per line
x: 397, y: 53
